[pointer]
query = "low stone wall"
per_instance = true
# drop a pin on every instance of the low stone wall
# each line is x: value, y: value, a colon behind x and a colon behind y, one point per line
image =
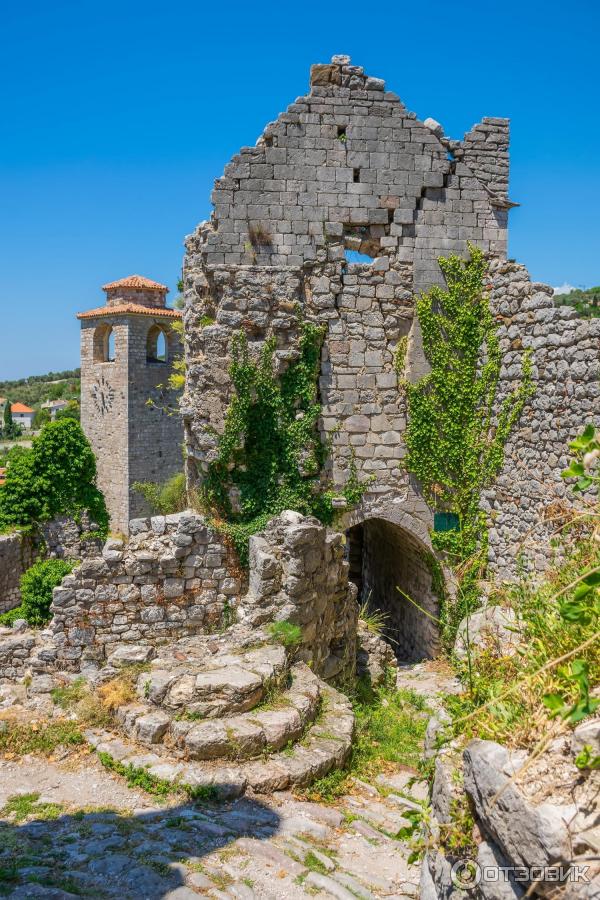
x: 172, y: 578
x: 61, y: 538
x: 67, y: 539
x: 176, y: 576
x: 17, y: 553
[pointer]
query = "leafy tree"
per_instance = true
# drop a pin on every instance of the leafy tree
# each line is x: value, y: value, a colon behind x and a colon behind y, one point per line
x: 10, y: 429
x: 57, y: 476
x: 71, y: 411
x: 41, y: 417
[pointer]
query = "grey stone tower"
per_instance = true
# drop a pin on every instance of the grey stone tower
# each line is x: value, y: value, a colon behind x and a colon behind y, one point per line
x: 127, y: 409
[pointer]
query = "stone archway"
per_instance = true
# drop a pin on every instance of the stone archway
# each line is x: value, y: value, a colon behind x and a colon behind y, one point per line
x: 383, y: 557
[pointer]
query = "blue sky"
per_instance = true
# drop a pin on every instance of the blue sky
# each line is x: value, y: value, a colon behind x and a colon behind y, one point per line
x: 116, y: 118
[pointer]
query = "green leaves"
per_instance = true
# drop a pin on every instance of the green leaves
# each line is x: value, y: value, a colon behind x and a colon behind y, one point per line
x: 584, y: 464
x: 270, y: 456
x: 584, y: 605
x: 584, y: 704
x: 454, y: 447
x: 57, y: 476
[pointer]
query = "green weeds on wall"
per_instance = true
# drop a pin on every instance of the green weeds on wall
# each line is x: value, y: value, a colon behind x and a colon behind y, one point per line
x: 270, y: 455
x: 457, y: 427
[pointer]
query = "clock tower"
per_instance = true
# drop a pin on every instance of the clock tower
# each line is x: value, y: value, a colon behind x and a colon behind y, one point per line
x: 128, y: 412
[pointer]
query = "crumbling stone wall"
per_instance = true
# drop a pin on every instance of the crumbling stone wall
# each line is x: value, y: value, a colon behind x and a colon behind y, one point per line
x: 529, y: 500
x: 298, y: 574
x: 347, y: 167
x: 62, y: 537
x: 175, y: 576
x: 17, y: 553
x: 170, y: 579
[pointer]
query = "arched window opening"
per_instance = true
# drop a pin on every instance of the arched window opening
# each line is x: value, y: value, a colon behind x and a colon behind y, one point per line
x: 156, y: 345
x: 104, y: 344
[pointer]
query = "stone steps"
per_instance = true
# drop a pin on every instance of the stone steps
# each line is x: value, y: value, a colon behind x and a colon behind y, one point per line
x: 223, y: 685
x: 325, y: 745
x: 266, y: 728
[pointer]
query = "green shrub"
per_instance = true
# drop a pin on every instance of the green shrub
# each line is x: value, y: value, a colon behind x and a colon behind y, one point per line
x: 270, y: 455
x: 10, y: 617
x: 37, y: 585
x: 56, y: 477
x: 167, y: 498
x: 285, y: 633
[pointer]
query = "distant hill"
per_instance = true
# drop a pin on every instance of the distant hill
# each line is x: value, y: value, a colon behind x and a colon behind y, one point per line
x: 36, y: 389
x: 587, y: 303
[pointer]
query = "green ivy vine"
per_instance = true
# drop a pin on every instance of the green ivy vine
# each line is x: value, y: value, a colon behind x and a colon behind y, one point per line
x: 457, y: 428
x: 270, y: 456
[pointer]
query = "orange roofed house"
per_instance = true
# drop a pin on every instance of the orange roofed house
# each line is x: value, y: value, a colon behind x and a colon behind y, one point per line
x: 22, y: 415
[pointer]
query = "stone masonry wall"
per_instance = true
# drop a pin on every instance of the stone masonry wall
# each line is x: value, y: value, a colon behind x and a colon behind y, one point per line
x: 16, y: 555
x: 346, y: 168
x: 298, y: 573
x: 175, y: 577
x: 169, y: 580
x: 60, y: 538
x: 529, y: 500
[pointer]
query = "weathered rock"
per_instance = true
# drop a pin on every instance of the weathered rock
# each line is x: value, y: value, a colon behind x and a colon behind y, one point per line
x: 493, y: 628
x: 532, y: 835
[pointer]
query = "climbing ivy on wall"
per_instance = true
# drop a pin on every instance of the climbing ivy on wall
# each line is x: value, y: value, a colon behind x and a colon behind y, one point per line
x: 457, y: 427
x: 270, y: 456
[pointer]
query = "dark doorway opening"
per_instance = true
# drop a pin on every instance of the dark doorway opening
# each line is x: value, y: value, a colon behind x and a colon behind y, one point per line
x: 383, y: 557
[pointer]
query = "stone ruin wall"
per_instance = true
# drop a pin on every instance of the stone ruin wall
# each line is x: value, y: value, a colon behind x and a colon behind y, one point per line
x: 16, y: 555
x: 529, y: 501
x: 60, y: 538
x: 347, y: 167
x: 177, y: 577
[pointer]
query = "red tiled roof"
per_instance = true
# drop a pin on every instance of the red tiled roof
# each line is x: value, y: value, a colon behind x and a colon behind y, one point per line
x: 135, y: 309
x: 136, y: 281
x: 20, y: 408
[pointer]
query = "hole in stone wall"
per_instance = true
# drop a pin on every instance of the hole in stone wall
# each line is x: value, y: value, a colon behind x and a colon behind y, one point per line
x: 156, y: 345
x: 341, y: 132
x: 355, y: 175
x: 383, y: 557
x: 354, y: 256
x: 362, y: 242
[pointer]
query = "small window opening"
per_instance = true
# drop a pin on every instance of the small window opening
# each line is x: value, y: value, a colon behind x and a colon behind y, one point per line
x: 156, y: 345
x: 341, y: 133
x: 355, y: 175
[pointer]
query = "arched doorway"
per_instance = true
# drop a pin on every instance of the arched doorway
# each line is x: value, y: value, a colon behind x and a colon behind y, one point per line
x: 384, y: 557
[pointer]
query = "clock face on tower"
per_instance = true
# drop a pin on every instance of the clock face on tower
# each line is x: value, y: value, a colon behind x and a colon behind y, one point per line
x: 102, y: 395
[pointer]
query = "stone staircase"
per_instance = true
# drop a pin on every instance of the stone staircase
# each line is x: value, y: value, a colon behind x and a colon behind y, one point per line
x: 231, y: 713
